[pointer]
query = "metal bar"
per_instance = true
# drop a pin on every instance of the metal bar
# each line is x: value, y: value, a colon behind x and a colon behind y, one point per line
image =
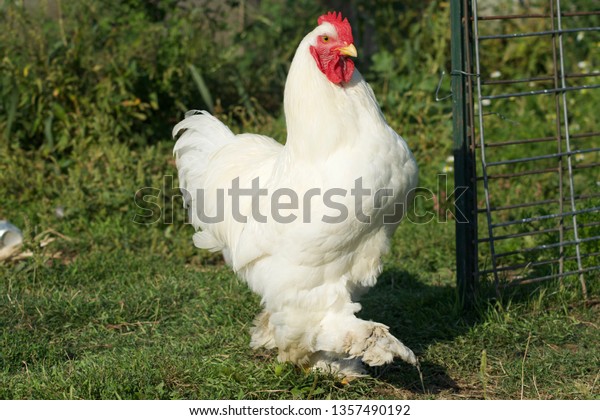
x: 463, y: 149
x: 519, y: 235
x: 540, y: 139
x: 576, y: 14
x: 550, y: 246
x: 537, y: 263
x: 551, y: 276
x: 519, y: 174
x: 476, y: 39
x: 541, y: 33
x: 542, y: 157
x: 537, y: 15
x: 586, y: 165
x: 536, y: 232
x: 558, y: 140
x: 537, y: 203
x: 541, y: 92
x: 471, y: 171
x: 563, y: 81
x: 538, y: 79
x: 520, y: 205
x: 546, y: 217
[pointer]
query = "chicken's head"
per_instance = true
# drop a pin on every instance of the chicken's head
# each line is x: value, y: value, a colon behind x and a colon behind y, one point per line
x: 332, y: 47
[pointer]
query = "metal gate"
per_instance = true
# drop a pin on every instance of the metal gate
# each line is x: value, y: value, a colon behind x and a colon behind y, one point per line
x: 526, y: 106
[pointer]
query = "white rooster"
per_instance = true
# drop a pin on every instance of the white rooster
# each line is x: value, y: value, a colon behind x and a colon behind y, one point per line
x: 303, y: 224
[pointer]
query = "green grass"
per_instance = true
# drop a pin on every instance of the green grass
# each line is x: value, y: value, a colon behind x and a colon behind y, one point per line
x: 98, y: 306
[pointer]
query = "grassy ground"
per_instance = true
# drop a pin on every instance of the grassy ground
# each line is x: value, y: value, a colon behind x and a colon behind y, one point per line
x: 97, y: 306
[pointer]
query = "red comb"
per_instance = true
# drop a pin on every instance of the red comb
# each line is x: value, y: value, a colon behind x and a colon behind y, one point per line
x: 342, y: 26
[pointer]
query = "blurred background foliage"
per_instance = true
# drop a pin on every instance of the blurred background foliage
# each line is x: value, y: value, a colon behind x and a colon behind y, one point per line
x: 77, y: 72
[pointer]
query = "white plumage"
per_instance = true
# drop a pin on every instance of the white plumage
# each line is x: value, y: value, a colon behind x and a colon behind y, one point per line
x: 308, y: 271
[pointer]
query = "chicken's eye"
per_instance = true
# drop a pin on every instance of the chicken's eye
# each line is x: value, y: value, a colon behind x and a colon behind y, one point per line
x: 325, y: 38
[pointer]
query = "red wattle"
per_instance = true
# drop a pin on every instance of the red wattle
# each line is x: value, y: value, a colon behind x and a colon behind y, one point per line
x: 338, y: 69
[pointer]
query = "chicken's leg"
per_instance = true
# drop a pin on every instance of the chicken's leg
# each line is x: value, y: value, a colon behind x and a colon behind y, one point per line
x: 371, y: 341
x: 333, y: 337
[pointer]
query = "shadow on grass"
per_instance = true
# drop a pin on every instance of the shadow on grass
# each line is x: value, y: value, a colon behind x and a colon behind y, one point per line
x: 422, y: 313
x: 419, y: 315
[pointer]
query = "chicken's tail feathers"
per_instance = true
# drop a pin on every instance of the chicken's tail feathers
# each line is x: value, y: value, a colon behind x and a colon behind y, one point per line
x: 198, y: 136
x: 210, y: 158
x: 205, y: 240
x: 200, y: 131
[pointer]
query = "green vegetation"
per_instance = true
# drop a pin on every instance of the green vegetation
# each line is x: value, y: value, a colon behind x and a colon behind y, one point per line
x: 97, y: 306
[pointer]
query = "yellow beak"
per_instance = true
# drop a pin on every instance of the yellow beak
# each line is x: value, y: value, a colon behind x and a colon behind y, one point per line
x: 349, y: 50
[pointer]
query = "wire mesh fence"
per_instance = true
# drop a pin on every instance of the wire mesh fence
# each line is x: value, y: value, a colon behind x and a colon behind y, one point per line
x: 527, y: 141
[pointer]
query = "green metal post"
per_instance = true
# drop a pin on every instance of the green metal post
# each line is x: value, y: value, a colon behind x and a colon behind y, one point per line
x: 464, y: 151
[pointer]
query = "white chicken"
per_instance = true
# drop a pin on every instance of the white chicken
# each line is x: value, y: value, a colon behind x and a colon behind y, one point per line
x: 306, y: 224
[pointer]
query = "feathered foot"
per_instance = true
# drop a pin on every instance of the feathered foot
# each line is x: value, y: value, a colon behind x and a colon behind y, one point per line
x: 380, y: 347
x: 341, y: 346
